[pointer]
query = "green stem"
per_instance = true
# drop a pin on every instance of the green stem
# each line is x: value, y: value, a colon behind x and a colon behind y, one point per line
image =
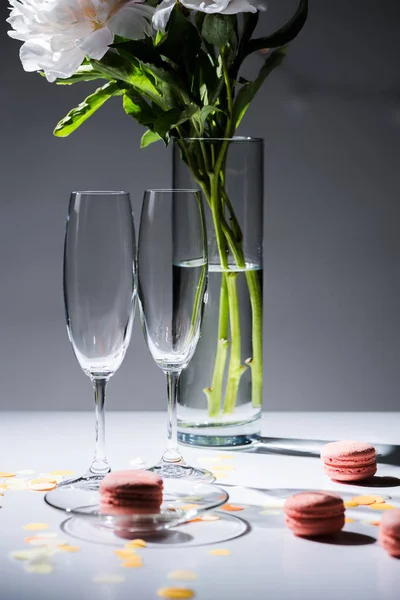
x: 253, y: 284
x: 214, y: 393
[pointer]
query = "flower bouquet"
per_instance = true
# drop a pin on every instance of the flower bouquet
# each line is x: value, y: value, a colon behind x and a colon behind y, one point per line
x: 177, y: 67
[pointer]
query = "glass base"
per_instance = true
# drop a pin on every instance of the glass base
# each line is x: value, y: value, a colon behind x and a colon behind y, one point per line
x: 89, y: 481
x: 195, y: 428
x: 216, y: 441
x: 181, y: 470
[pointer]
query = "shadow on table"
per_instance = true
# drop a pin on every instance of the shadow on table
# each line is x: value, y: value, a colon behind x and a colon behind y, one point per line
x: 346, y: 538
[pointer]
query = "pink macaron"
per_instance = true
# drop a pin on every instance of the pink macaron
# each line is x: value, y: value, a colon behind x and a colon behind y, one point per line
x: 389, y: 532
x: 131, y: 492
x: 313, y: 514
x: 349, y: 460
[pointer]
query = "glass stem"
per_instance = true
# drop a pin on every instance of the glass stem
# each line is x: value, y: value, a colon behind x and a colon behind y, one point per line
x: 172, y: 454
x: 100, y: 465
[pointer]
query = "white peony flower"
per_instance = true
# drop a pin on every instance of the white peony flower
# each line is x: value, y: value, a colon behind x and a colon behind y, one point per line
x: 223, y: 7
x: 59, y: 34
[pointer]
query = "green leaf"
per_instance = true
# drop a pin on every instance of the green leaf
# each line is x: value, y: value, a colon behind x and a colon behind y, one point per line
x: 128, y: 71
x: 149, y: 137
x: 249, y: 90
x: 182, y: 41
x: 173, y: 118
x: 217, y: 29
x: 136, y: 107
x: 141, y: 50
x: 206, y: 111
x: 86, y: 109
x: 83, y: 73
x: 283, y: 36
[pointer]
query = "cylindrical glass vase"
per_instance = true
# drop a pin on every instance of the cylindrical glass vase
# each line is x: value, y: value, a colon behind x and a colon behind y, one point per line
x: 221, y: 389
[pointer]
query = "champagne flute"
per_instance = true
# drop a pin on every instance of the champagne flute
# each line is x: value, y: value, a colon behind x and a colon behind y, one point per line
x: 172, y: 281
x: 99, y: 296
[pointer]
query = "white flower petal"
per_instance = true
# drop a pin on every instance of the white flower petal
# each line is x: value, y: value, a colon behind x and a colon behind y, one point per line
x: 32, y: 54
x: 66, y: 66
x: 132, y: 21
x: 207, y: 6
x: 162, y: 14
x: 96, y: 44
x: 237, y: 6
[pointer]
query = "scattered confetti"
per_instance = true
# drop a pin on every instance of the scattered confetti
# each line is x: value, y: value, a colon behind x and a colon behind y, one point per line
x: 44, y: 568
x: 17, y: 484
x: 231, y: 507
x: 136, y: 544
x: 61, y: 472
x: 3, y: 486
x: 109, y: 578
x: 348, y: 520
x: 183, y: 575
x: 43, y: 480
x: 192, y: 498
x: 367, y: 500
x: 175, y: 592
x: 220, y: 474
x: 195, y: 520
x: 371, y: 523
x: 132, y: 563
x: 350, y: 503
x: 36, y: 526
x: 68, y: 548
x: 189, y: 506
x: 209, y: 518
x: 220, y: 552
x: 125, y: 553
x: 381, y: 506
x: 42, y: 487
x: 5, y: 474
x: 1, y: 494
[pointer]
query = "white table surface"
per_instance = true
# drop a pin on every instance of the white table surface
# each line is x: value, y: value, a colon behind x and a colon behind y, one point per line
x: 268, y: 562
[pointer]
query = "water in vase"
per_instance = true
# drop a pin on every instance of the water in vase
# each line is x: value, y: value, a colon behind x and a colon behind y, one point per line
x: 193, y: 409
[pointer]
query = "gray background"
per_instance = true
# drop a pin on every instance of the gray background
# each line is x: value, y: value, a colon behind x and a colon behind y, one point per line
x: 331, y: 121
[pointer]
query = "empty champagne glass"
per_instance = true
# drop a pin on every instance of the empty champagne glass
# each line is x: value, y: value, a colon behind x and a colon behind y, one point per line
x: 99, y: 295
x: 172, y: 281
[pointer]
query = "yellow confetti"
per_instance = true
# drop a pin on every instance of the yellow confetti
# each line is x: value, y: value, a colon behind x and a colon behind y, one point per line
x: 39, y: 568
x: 125, y: 553
x: 175, y: 592
x: 68, y: 548
x: 350, y: 504
x: 348, y: 520
x: 3, y: 486
x: 6, y: 474
x: 36, y: 526
x: 61, y: 472
x: 136, y: 544
x: 109, y: 578
x: 189, y: 506
x: 42, y: 487
x: 223, y: 468
x: 43, y: 480
x: 367, y: 500
x: 132, y: 563
x: 183, y: 575
x: 381, y: 506
x: 220, y: 552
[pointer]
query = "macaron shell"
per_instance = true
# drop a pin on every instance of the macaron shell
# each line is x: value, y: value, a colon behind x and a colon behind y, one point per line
x: 343, y: 473
x: 348, y: 451
x: 315, y: 527
x: 313, y: 502
x: 390, y: 523
x: 390, y: 544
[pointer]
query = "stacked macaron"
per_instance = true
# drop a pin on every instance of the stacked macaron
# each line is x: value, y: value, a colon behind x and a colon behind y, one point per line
x: 313, y: 514
x: 389, y: 532
x: 349, y: 460
x: 131, y: 492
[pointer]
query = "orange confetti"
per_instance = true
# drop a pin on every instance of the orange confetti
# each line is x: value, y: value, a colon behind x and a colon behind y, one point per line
x: 367, y: 500
x: 381, y: 506
x: 36, y: 526
x: 43, y: 480
x: 132, y: 563
x: 231, y: 507
x: 175, y: 592
x: 42, y: 487
x: 375, y: 523
x: 347, y: 520
x: 220, y: 552
x: 195, y: 520
x: 5, y: 474
x: 223, y: 468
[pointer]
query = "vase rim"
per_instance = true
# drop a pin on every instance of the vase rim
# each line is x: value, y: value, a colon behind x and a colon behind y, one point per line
x: 235, y: 138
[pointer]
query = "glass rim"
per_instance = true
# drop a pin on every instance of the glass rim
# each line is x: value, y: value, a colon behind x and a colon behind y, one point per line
x: 235, y: 138
x: 172, y: 190
x: 99, y: 193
